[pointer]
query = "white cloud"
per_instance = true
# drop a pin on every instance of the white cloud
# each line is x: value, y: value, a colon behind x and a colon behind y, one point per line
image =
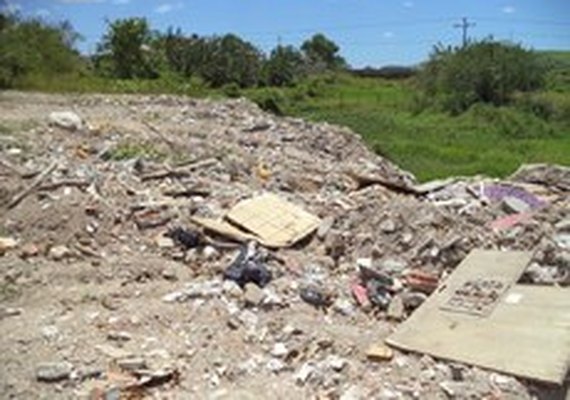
x: 408, y: 4
x: 508, y: 9
x: 388, y: 35
x: 168, y: 7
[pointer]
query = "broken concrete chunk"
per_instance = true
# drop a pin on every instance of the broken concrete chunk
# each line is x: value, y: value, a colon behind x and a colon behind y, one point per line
x: 513, y: 205
x: 7, y: 243
x: 379, y: 352
x: 324, y: 227
x: 66, y: 120
x: 58, y: 253
x: 563, y: 226
x: 53, y: 371
x: 396, y: 309
x: 253, y: 294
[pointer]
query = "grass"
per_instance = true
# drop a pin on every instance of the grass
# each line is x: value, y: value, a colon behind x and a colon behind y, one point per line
x: 485, y: 140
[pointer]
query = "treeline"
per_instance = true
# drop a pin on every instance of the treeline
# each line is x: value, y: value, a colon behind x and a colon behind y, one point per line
x: 453, y: 79
x: 130, y: 49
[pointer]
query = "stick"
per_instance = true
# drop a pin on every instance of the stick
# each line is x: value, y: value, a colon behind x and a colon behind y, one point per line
x: 182, y: 172
x: 33, y: 186
x: 65, y: 182
x: 17, y: 170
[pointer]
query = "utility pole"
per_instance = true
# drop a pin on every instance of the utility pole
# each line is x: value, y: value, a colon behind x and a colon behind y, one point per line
x: 464, y: 25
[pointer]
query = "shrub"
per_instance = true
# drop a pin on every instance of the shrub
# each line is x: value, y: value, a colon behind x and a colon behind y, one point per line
x: 271, y: 100
x: 487, y: 71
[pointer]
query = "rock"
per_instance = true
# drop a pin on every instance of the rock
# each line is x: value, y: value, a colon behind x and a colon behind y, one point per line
x: 354, y: 392
x: 271, y: 299
x: 58, y: 253
x: 379, y: 352
x: 53, y: 371
x: 305, y: 372
x: 335, y: 363
x: 563, y: 240
x: 396, y: 309
x: 453, y: 388
x: 279, y: 350
x: 388, y: 226
x: 389, y: 394
x: 253, y: 295
x: 29, y: 250
x: 325, y: 227
x: 563, y: 226
x: 6, y: 244
x: 50, y: 332
x: 274, y: 365
x: 232, y: 289
x: 514, y: 205
x: 393, y: 267
x: 413, y: 300
x: 132, y: 363
x: 66, y: 120
x: 119, y: 336
x: 163, y: 242
x: 9, y: 312
x: 343, y: 306
x: 210, y: 253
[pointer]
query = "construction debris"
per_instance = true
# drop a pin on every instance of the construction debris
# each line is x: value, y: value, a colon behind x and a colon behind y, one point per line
x: 170, y: 247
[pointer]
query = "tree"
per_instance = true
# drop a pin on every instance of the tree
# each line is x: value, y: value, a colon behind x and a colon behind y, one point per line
x: 322, y: 53
x: 31, y: 47
x: 487, y: 71
x: 284, y: 66
x: 231, y: 60
x: 126, y: 49
x: 185, y: 55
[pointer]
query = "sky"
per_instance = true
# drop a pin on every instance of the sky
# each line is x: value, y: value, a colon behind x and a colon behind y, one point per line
x: 369, y: 32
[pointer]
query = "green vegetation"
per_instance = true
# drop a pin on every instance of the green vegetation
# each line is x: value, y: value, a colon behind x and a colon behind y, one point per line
x: 486, y: 139
x: 129, y: 150
x: 480, y: 72
x: 483, y: 108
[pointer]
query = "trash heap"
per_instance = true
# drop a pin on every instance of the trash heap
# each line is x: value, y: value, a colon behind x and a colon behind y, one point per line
x: 247, y: 253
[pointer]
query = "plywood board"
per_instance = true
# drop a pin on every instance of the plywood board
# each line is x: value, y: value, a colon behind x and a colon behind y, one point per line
x: 276, y: 222
x: 223, y: 228
x: 527, y: 334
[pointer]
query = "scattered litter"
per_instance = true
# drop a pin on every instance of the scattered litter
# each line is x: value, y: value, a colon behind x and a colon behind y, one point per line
x: 247, y: 267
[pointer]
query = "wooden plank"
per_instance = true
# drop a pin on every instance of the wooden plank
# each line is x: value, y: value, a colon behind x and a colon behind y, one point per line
x: 526, y: 335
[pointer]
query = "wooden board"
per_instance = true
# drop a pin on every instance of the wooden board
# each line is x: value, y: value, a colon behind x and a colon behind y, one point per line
x: 276, y: 222
x: 527, y: 334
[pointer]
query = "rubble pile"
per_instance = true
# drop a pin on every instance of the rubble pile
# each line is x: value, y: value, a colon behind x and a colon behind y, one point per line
x: 110, y: 287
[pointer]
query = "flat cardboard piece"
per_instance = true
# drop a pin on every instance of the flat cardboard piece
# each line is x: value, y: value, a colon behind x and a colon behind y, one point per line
x: 268, y: 219
x: 527, y: 334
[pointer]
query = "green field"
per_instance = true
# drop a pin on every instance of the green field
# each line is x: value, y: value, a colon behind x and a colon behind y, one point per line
x: 485, y: 140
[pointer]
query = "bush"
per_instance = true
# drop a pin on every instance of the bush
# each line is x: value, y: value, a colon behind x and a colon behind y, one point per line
x: 271, y: 100
x: 232, y: 90
x: 554, y: 107
x: 487, y: 71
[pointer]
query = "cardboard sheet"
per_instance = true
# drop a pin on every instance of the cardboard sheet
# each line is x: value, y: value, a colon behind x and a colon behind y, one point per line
x: 268, y: 219
x: 527, y: 334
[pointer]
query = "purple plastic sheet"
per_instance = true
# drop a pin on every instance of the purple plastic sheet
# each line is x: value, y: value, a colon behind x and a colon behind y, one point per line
x: 499, y: 192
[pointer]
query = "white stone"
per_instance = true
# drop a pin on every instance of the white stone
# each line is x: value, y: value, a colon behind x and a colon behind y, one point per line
x: 66, y: 119
x: 304, y: 373
x: 279, y: 350
x: 275, y: 365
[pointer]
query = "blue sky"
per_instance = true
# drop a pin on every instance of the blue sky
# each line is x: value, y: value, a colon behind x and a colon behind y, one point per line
x: 369, y: 32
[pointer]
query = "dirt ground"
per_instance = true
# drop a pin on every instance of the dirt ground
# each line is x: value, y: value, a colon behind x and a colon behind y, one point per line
x: 96, y: 302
